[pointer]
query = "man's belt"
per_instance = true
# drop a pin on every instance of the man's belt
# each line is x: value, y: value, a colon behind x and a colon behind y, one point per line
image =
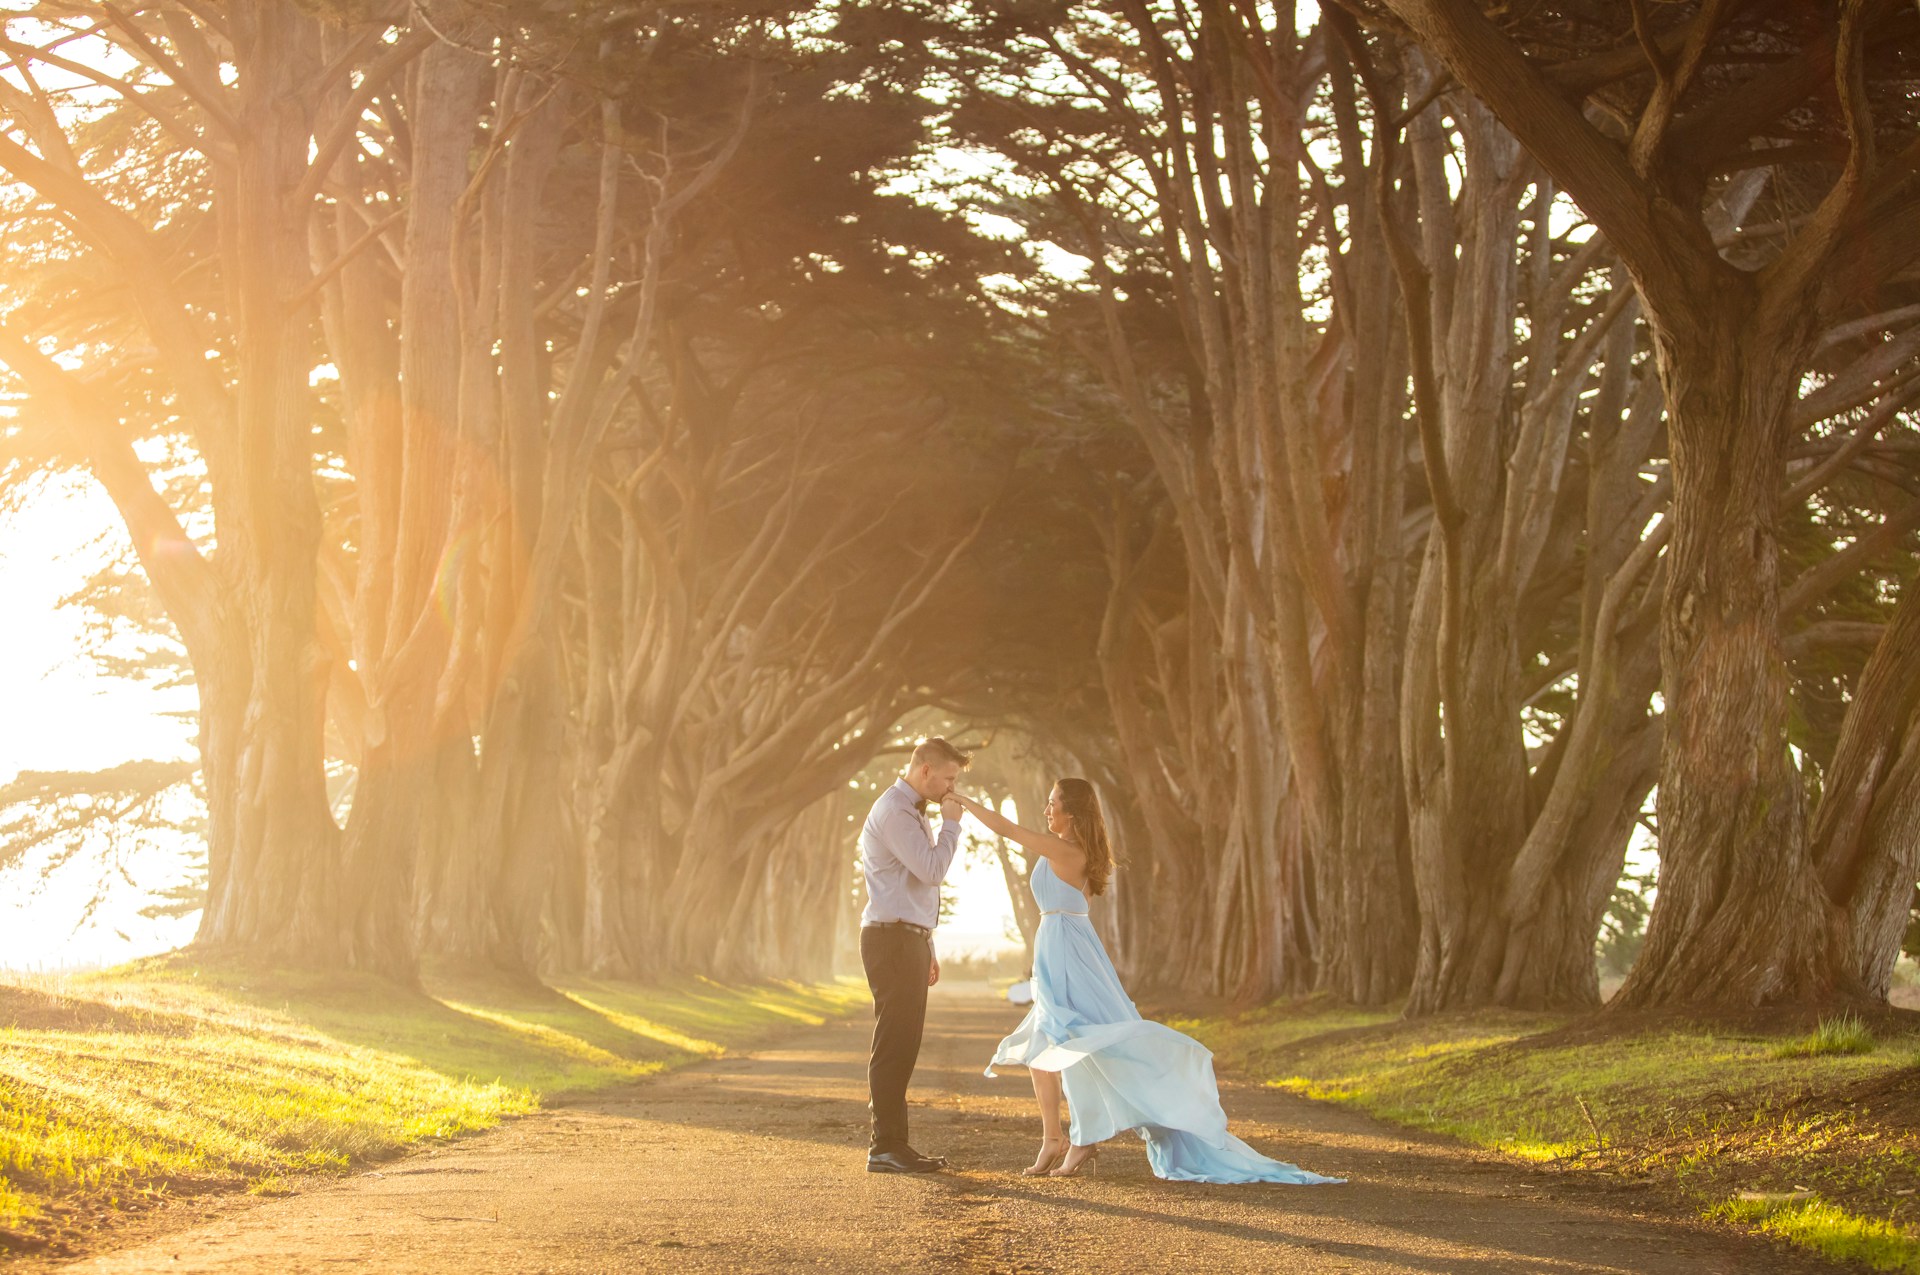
x: 921, y: 930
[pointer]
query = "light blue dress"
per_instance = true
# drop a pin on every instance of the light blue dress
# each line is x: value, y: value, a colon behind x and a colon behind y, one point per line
x: 1119, y: 1070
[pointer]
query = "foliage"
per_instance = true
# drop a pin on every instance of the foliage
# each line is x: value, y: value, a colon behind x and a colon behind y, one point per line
x: 170, y: 1075
x: 126, y: 632
x: 37, y: 807
x: 1623, y: 928
x: 107, y: 819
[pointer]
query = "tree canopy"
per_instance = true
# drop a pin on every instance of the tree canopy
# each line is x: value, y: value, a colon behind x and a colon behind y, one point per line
x: 1401, y: 453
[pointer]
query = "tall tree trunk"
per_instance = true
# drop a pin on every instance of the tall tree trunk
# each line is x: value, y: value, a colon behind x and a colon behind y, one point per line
x: 1742, y: 918
x: 1367, y: 920
x: 273, y: 879
x: 613, y: 846
x: 523, y: 808
x: 1866, y: 835
x: 271, y: 840
x: 1464, y: 752
x: 412, y: 582
x: 451, y: 911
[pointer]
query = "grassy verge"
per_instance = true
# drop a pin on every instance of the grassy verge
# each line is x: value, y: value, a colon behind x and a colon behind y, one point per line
x: 172, y: 1076
x: 1812, y: 1135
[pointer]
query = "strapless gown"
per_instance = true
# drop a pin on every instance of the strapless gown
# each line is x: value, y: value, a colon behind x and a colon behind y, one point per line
x: 1119, y: 1070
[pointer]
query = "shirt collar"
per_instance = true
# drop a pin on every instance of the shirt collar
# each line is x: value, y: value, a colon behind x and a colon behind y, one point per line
x: 907, y: 794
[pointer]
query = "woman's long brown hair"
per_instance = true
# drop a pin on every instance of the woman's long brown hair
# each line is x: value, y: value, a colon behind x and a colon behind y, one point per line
x: 1082, y: 808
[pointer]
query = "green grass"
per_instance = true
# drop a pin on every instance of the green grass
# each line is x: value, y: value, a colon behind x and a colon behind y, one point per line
x: 1832, y: 1231
x: 168, y: 1076
x: 1703, y: 1112
x: 1843, y: 1035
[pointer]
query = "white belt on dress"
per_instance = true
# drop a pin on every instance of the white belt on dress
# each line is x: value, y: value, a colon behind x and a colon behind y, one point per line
x: 1060, y: 912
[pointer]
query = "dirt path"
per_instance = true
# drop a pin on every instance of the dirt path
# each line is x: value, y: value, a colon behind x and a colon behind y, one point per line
x: 756, y: 1163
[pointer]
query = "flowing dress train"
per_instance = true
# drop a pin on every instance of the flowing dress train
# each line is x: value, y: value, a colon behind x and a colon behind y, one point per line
x: 1119, y: 1070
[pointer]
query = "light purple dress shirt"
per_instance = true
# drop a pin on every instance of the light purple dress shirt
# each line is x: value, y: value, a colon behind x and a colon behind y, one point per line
x: 903, y: 861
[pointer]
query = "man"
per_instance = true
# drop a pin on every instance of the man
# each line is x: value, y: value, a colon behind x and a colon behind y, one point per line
x: 904, y: 865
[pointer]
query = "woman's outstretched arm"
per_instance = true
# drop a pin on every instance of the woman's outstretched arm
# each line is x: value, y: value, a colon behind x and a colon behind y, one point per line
x: 1044, y: 844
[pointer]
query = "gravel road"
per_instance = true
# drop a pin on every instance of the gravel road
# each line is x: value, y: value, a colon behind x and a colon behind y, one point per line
x: 756, y: 1163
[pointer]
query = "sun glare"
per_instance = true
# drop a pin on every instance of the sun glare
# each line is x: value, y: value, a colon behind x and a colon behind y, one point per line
x: 65, y: 714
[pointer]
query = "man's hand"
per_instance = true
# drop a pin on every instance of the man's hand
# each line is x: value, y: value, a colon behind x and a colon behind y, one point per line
x: 950, y: 807
x: 933, y: 972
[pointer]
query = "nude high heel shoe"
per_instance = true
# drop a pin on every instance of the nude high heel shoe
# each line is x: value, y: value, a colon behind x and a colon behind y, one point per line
x: 1086, y: 1166
x: 1049, y: 1164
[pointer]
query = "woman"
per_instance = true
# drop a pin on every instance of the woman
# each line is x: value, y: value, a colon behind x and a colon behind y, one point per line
x: 1084, y: 1038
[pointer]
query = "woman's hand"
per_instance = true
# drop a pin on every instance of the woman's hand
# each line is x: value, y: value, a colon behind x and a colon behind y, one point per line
x: 1044, y: 844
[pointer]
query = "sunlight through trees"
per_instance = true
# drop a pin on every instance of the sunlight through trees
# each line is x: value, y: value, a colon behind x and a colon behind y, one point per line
x: 1395, y: 450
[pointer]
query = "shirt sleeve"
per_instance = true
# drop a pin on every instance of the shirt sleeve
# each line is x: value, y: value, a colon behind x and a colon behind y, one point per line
x: 906, y: 837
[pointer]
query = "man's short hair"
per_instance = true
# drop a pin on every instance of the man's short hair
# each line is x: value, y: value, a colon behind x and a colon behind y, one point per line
x: 934, y: 751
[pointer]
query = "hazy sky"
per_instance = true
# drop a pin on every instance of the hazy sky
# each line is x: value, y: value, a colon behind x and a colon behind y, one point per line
x: 61, y: 714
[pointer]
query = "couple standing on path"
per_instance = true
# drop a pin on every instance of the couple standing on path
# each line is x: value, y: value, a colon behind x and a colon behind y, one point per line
x: 1082, y: 1040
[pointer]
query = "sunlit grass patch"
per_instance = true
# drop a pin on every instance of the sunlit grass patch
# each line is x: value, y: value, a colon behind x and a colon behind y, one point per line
x: 787, y: 1011
x: 646, y: 1028
x: 1696, y: 1109
x: 1845, y: 1034
x: 1475, y: 1079
x: 15, y: 1208
x: 545, y: 1035
x: 170, y: 1074
x: 1828, y: 1230
x: 699, y: 1015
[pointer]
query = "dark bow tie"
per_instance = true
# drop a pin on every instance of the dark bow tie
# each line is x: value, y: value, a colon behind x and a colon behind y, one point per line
x: 921, y: 805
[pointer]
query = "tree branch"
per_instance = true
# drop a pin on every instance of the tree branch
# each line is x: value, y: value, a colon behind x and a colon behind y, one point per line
x: 183, y: 579
x: 1651, y: 239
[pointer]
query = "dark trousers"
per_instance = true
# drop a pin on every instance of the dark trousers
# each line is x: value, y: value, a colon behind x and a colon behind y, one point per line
x: 897, y: 962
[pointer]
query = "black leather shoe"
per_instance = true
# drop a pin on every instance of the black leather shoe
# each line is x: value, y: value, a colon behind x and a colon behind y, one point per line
x: 937, y: 1161
x: 901, y: 1162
